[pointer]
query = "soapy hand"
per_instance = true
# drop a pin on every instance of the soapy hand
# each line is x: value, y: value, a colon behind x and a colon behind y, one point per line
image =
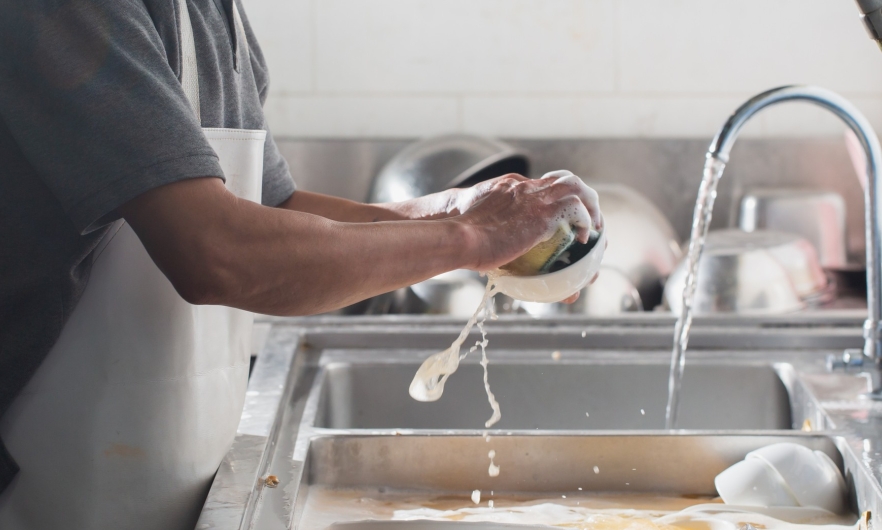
x: 509, y: 215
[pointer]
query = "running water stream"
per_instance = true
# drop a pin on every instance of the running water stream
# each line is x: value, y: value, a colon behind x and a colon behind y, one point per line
x: 704, y: 206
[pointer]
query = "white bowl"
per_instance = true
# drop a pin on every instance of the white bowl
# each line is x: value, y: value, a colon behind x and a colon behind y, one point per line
x: 813, y: 479
x: 558, y: 285
x: 753, y: 482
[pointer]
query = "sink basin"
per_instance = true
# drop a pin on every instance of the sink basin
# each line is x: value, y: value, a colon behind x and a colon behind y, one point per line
x: 557, y: 396
x: 539, y: 463
x: 351, y: 478
x: 329, y: 416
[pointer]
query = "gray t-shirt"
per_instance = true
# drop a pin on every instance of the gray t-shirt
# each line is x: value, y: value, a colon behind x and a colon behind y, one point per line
x: 92, y: 114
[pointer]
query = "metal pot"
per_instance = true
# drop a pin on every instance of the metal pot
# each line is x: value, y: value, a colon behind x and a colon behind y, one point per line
x: 761, y: 272
x: 456, y: 293
x: 643, y: 245
x: 444, y: 162
x: 818, y: 216
x: 437, y: 164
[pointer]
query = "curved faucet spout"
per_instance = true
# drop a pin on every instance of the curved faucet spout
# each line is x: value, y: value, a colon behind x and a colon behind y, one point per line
x: 855, y: 120
x: 718, y: 156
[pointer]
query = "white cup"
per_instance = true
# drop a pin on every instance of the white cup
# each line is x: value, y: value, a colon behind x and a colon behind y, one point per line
x: 812, y: 478
x: 753, y: 482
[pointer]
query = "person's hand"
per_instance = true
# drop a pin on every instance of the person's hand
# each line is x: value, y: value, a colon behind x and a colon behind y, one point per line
x: 507, y: 216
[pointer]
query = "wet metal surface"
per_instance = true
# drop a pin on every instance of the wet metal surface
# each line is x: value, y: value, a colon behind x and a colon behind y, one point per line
x: 296, y: 431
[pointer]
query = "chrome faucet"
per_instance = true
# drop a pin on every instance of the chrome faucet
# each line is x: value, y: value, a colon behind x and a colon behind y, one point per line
x: 869, y: 359
x: 871, y: 16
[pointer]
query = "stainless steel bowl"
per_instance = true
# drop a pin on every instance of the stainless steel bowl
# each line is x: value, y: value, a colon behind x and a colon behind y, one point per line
x: 444, y: 162
x: 433, y: 165
x: 643, y: 245
x: 457, y: 293
x: 818, y: 216
x: 761, y: 272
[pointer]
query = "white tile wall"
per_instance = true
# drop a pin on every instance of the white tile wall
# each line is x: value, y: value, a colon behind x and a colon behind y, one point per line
x: 361, y: 115
x: 464, y: 46
x: 556, y: 68
x: 285, y: 32
x: 700, y: 46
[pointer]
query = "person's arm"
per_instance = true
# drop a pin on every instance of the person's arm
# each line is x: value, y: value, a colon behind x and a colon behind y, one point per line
x: 439, y: 205
x: 435, y: 206
x: 218, y: 249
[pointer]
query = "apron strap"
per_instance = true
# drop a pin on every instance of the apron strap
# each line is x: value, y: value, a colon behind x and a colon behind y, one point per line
x: 242, y: 39
x: 189, y: 70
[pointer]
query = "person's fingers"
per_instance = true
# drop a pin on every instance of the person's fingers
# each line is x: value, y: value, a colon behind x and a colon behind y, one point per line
x: 557, y: 174
x: 594, y: 279
x: 504, y: 181
x: 516, y: 176
x: 575, y: 213
x: 588, y: 196
x: 467, y: 197
x: 572, y: 299
x: 564, y: 182
x: 509, y: 178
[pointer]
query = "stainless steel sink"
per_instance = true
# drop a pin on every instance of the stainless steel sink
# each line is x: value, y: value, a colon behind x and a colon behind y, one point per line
x: 557, y: 396
x: 328, y: 408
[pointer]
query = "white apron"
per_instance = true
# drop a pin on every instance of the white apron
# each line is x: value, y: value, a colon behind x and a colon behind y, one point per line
x: 130, y: 414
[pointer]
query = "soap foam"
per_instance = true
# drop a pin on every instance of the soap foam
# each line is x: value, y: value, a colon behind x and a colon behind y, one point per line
x: 428, y: 383
x: 493, y: 470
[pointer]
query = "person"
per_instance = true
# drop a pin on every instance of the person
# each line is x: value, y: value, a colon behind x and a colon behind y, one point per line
x: 146, y: 213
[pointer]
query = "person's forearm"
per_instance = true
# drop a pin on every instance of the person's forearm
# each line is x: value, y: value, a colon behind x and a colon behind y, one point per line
x: 279, y: 262
x: 435, y: 206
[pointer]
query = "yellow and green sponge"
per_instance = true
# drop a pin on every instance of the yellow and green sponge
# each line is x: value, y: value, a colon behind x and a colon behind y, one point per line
x: 539, y: 259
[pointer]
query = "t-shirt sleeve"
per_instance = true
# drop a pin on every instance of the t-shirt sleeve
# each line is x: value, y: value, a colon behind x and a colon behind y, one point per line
x: 87, y: 91
x: 278, y: 185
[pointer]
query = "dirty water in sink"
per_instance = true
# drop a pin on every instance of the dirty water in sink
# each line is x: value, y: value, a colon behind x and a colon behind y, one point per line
x: 594, y: 511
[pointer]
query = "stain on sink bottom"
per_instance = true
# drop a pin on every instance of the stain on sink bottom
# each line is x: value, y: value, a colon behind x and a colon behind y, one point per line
x: 327, y: 507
